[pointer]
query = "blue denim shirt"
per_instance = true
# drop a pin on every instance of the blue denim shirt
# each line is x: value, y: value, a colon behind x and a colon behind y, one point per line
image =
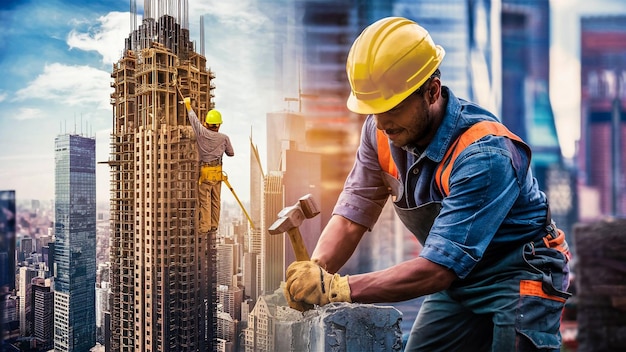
x: 494, y: 203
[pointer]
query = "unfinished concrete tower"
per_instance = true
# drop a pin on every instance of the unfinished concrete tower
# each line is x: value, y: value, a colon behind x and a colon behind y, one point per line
x: 162, y: 296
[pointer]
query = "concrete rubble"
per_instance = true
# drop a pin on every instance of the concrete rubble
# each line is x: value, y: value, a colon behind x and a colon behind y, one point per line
x: 342, y: 327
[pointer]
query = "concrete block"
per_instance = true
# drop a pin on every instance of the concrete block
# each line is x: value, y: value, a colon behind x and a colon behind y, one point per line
x: 343, y: 327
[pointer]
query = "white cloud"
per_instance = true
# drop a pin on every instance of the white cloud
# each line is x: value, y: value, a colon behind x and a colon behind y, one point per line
x: 70, y: 85
x: 242, y: 14
x: 29, y: 114
x: 3, y: 96
x: 105, y: 37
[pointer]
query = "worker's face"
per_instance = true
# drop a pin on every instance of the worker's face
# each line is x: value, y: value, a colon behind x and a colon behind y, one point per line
x: 214, y: 128
x: 412, y: 120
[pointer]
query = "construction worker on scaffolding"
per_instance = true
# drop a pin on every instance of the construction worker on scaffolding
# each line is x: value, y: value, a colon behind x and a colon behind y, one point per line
x: 212, y: 145
x: 493, y: 268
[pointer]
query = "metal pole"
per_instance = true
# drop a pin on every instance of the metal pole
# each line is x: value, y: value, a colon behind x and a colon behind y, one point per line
x: 225, y: 179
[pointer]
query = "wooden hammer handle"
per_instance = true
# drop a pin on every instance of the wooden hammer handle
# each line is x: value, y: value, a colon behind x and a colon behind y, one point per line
x: 298, y: 245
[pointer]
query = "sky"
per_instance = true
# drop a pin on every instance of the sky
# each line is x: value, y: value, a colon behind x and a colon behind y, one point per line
x: 56, y: 58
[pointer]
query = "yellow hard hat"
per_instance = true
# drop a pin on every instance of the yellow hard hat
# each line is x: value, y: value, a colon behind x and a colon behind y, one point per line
x: 213, y: 117
x: 388, y: 61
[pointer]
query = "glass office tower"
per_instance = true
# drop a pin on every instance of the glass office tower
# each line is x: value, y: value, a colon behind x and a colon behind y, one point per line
x: 7, y: 259
x: 75, y: 244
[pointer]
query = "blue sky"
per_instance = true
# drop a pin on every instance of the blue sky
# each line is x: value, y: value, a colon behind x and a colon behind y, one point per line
x: 56, y: 58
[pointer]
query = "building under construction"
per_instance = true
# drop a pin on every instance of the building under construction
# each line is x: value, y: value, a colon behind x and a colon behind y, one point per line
x: 162, y: 277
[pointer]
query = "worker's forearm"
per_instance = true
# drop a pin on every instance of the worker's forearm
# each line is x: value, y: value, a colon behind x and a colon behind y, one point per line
x: 193, y: 120
x: 407, y: 280
x: 337, y: 243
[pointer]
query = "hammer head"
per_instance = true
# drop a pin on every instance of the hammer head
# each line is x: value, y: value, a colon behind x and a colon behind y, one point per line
x: 293, y: 216
x: 308, y: 206
x: 288, y: 218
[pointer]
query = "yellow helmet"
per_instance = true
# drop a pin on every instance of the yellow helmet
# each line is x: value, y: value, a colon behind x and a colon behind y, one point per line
x: 213, y: 117
x: 388, y: 61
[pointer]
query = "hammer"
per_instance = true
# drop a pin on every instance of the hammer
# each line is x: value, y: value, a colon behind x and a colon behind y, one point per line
x: 290, y: 218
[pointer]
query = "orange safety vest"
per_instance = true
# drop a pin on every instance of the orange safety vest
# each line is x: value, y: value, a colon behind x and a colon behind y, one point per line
x: 442, y: 173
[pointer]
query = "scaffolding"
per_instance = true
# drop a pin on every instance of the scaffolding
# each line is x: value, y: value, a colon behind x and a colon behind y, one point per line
x: 163, y: 294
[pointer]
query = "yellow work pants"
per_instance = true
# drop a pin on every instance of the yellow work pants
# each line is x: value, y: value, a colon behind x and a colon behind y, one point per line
x: 209, y: 194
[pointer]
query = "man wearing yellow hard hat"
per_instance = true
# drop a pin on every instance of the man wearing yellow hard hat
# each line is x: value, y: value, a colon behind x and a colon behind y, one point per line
x: 212, y: 145
x: 494, y: 267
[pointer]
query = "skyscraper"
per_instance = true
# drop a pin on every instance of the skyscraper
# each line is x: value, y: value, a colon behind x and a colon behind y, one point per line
x: 75, y: 244
x: 251, y: 273
x: 526, y: 108
x: 24, y: 293
x: 42, y: 312
x: 273, y: 246
x: 603, y: 139
x: 7, y: 257
x: 162, y: 270
x: 102, y: 301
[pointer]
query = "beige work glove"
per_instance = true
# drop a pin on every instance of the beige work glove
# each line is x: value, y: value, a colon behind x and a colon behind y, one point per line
x: 309, y: 283
x: 187, y: 102
x: 300, y: 306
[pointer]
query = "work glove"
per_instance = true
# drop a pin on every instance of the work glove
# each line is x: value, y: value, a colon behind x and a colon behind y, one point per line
x: 300, y: 306
x: 309, y: 283
x: 187, y: 102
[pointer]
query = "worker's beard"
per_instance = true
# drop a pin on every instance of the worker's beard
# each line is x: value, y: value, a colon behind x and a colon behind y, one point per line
x: 425, y: 135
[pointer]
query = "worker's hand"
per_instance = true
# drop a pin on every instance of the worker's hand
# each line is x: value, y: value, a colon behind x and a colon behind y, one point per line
x: 187, y: 102
x: 309, y: 283
x: 300, y: 306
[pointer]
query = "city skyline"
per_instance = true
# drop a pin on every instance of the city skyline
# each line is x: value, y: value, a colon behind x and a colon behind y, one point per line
x: 58, y: 66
